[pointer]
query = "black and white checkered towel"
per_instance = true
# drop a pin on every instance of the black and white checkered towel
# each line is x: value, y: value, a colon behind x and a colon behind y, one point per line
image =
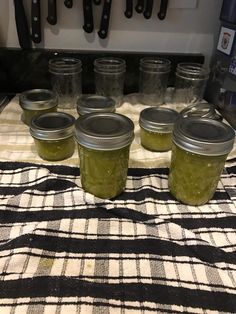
x: 65, y: 251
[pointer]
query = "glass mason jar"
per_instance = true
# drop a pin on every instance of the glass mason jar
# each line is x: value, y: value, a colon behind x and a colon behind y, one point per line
x: 36, y: 101
x: 153, y: 79
x: 104, y: 141
x: 109, y: 78
x: 66, y: 80
x: 156, y: 125
x: 199, y: 151
x: 95, y: 104
x: 53, y: 135
x: 190, y: 83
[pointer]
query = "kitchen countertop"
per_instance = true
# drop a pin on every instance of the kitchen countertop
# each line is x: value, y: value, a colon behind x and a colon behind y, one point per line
x: 65, y: 251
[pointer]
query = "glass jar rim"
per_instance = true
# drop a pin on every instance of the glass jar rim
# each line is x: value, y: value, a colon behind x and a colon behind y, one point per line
x: 149, y: 64
x: 109, y: 65
x: 38, y: 99
x: 65, y: 65
x: 192, y: 68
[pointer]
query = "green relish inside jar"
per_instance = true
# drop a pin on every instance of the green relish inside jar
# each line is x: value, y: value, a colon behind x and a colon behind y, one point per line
x: 156, y: 125
x: 104, y: 141
x: 53, y: 135
x: 37, y: 101
x: 199, y: 152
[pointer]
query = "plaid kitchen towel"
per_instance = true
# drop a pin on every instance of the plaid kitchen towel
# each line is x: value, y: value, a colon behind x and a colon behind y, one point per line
x: 64, y: 251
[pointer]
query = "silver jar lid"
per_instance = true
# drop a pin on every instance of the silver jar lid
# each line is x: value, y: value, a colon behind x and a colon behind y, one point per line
x: 95, y: 103
x: 52, y: 126
x: 104, y: 131
x: 158, y: 119
x: 203, y: 136
x: 38, y: 99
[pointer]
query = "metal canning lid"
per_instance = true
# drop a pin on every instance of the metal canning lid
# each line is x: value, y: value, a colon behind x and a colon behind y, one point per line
x: 104, y: 131
x: 109, y: 65
x: 204, y: 110
x: 95, y: 103
x: 65, y: 66
x: 154, y: 65
x: 52, y: 126
x: 38, y: 99
x: 158, y: 119
x: 203, y: 136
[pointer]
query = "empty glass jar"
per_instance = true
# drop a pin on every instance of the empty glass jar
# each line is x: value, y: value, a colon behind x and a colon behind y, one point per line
x: 190, y: 83
x: 153, y: 79
x: 109, y: 78
x: 66, y: 80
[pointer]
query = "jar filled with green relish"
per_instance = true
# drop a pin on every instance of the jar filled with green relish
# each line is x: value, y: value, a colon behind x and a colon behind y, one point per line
x: 95, y: 104
x: 53, y: 135
x: 199, y: 151
x: 37, y: 101
x: 156, y: 125
x: 104, y: 141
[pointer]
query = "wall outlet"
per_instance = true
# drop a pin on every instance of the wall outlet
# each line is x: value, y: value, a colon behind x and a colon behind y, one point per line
x: 182, y: 4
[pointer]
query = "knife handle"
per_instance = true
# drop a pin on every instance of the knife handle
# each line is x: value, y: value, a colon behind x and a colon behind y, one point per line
x: 129, y: 9
x: 97, y: 2
x: 148, y: 9
x: 139, y: 6
x: 88, y: 16
x: 68, y: 3
x: 52, y: 12
x: 106, y: 11
x: 22, y: 25
x: 163, y: 9
x: 36, y: 21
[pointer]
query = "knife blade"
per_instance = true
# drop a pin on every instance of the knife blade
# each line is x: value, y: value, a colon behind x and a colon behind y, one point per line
x: 68, y: 3
x: 163, y: 9
x: 148, y: 9
x: 104, y: 24
x: 22, y: 25
x: 88, y: 16
x: 52, y: 12
x: 129, y: 9
x: 139, y: 6
x: 36, y: 21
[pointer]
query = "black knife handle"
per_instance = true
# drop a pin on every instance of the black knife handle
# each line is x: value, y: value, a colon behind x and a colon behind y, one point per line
x: 97, y: 2
x: 104, y: 25
x: 139, y: 6
x: 36, y: 21
x: 163, y: 9
x: 148, y: 9
x: 52, y: 12
x: 88, y: 16
x: 22, y: 25
x: 68, y: 3
x: 129, y: 9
